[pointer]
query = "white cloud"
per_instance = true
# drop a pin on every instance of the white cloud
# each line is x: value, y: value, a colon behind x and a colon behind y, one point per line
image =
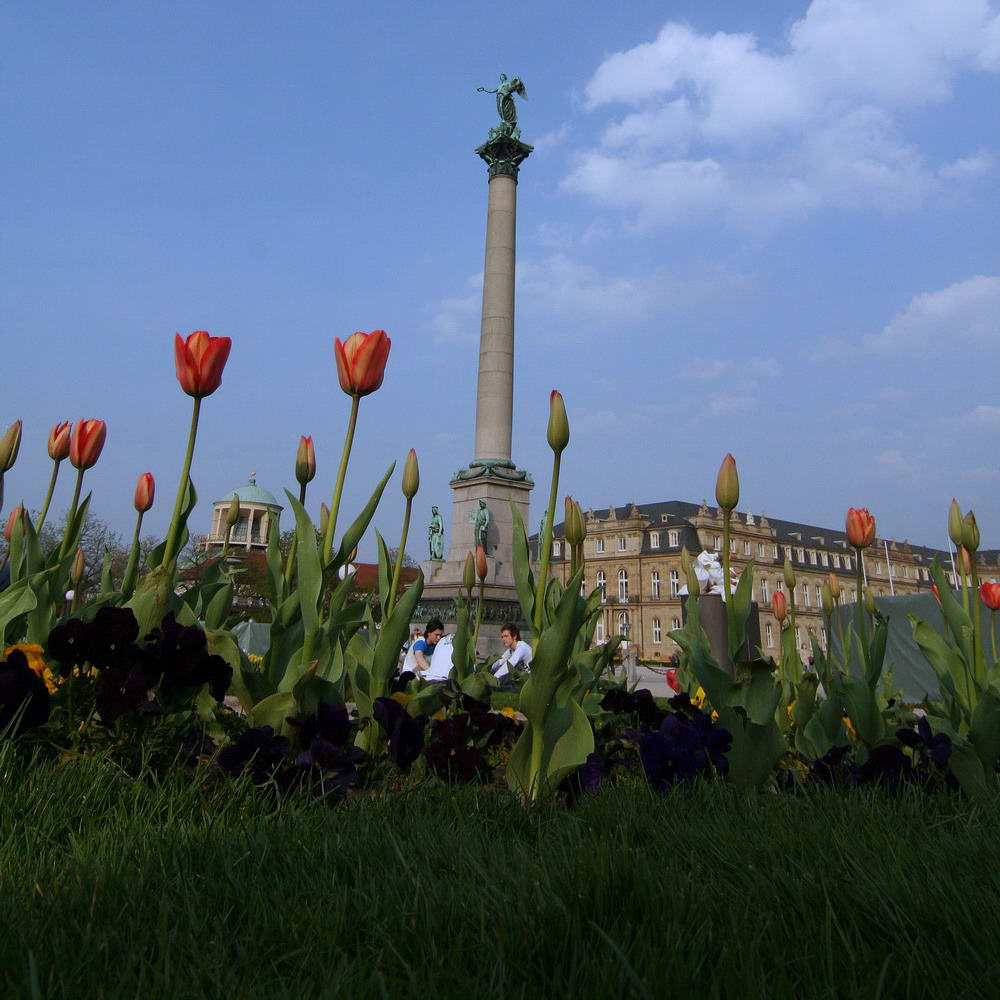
x: 747, y: 374
x: 983, y: 417
x: 717, y: 122
x: 892, y: 465
x: 967, y: 312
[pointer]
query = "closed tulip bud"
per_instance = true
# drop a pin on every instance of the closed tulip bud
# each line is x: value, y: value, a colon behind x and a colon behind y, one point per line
x: 936, y: 593
x: 482, y: 567
x: 834, y: 582
x: 558, y: 429
x: 305, y: 461
x: 727, y: 485
x: 869, y: 600
x: 9, y: 445
x: 469, y: 572
x: 8, y: 530
x: 970, y: 532
x: 827, y: 599
x: 789, y: 575
x: 79, y: 564
x: 780, y: 605
x: 860, y: 527
x: 85, y: 443
x: 145, y: 489
x: 59, y: 441
x: 324, y: 518
x: 955, y: 522
x: 361, y: 361
x: 411, y: 476
x: 582, y: 521
x: 965, y: 559
x: 685, y: 560
x: 573, y: 524
x: 233, y: 514
x: 199, y: 362
x: 672, y: 681
x: 990, y: 594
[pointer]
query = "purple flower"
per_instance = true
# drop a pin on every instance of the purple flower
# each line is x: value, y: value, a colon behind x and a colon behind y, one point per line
x: 24, y: 698
x: 405, y: 733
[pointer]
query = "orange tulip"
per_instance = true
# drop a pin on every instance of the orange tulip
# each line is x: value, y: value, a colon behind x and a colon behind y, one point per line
x: 860, y: 527
x: 59, y: 441
x: 780, y: 604
x: 305, y: 461
x: 990, y: 593
x: 965, y: 559
x: 936, y: 593
x: 145, y: 489
x: 361, y: 361
x: 834, y: 582
x: 11, y: 521
x: 199, y: 361
x: 481, y: 566
x: 86, y: 442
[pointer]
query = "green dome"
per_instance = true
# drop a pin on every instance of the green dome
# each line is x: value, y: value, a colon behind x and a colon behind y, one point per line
x: 252, y: 493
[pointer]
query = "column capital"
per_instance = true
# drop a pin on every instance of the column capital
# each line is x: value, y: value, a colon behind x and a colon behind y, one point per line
x: 504, y: 154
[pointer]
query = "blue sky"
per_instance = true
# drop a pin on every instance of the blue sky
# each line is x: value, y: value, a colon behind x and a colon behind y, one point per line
x: 766, y: 228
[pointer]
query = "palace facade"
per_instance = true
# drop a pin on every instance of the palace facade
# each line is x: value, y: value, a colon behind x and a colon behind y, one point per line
x: 633, y: 553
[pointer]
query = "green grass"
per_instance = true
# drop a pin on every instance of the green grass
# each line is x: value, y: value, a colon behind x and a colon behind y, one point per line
x: 111, y: 887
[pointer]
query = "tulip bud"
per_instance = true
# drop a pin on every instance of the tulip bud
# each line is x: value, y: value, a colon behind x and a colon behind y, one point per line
x: 573, y: 522
x: 936, y: 593
x: 145, y: 489
x: 834, y: 581
x: 59, y: 441
x: 9, y: 445
x: 727, y: 485
x: 8, y: 530
x: 827, y: 599
x: 672, y: 681
x: 305, y: 461
x: 324, y: 519
x: 955, y: 522
x: 965, y: 559
x: 582, y: 521
x: 685, y: 560
x: 469, y: 572
x: 234, y: 512
x: 558, y: 430
x: 76, y: 572
x: 86, y: 442
x: 970, y: 532
x: 860, y: 527
x: 780, y: 605
x: 869, y: 600
x: 411, y: 476
x: 482, y: 568
x: 789, y: 575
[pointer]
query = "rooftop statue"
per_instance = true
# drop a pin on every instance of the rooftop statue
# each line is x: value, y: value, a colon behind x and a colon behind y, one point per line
x: 506, y: 108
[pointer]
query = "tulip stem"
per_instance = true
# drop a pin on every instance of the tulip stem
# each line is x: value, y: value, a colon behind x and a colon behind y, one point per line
x: 978, y: 653
x: 71, y: 516
x: 545, y: 544
x: 169, y: 553
x: 862, y: 623
x: 294, y: 547
x: 132, y: 567
x: 727, y: 588
x: 48, y: 496
x: 397, y: 568
x: 993, y: 637
x: 479, y: 618
x: 331, y: 525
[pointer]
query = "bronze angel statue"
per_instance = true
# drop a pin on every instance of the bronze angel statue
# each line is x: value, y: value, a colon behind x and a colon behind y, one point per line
x: 506, y: 108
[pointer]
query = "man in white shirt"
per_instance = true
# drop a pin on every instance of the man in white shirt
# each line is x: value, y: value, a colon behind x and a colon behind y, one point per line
x: 516, y: 654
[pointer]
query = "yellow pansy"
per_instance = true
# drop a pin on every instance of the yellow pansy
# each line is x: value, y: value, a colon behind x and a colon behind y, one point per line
x: 33, y: 654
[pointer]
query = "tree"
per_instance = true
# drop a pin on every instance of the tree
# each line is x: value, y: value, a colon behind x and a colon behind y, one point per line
x: 408, y: 561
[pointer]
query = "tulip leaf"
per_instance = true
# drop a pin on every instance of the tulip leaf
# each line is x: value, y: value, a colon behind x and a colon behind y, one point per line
x: 805, y: 701
x: 718, y: 685
x: 523, y: 578
x: 15, y: 601
x: 952, y: 670
x: 742, y: 598
x: 958, y: 619
x: 863, y: 710
x: 984, y: 730
x: 275, y: 571
x: 219, y: 606
x: 385, y: 569
x: 393, y: 634
x: 877, y: 657
x: 309, y: 575
x: 460, y: 653
x: 967, y: 767
x: 762, y: 694
x: 356, y: 531
x: 755, y: 749
x: 152, y: 599
x: 274, y: 711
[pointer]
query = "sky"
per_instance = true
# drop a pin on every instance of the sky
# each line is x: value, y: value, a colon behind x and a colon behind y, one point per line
x: 764, y: 228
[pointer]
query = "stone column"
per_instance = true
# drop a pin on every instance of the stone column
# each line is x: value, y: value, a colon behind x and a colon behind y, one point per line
x: 495, y: 389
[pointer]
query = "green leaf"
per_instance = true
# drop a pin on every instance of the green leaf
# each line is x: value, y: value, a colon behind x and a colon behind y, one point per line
x: 393, y: 634
x: 968, y: 769
x: 309, y: 574
x: 954, y: 613
x: 524, y: 580
x: 984, y: 731
x: 356, y: 531
x: 384, y: 572
x: 877, y: 657
x: 275, y: 570
x: 274, y: 711
x: 742, y: 599
x: 15, y: 601
x: 718, y: 685
x: 805, y: 701
x: 859, y: 700
x: 951, y: 668
x: 219, y: 606
x: 755, y: 750
x: 152, y: 599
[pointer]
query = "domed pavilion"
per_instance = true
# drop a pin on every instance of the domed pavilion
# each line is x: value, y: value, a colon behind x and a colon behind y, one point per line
x: 259, y: 510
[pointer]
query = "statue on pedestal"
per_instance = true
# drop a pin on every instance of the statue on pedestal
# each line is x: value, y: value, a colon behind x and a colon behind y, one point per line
x: 435, y: 534
x: 506, y: 108
x: 481, y: 521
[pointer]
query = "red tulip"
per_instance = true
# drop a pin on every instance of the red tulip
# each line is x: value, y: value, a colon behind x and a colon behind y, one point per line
x: 305, y: 461
x: 86, y: 442
x: 672, y: 680
x: 481, y: 566
x: 937, y: 593
x: 780, y: 605
x: 11, y: 521
x: 990, y: 593
x: 199, y: 361
x: 860, y: 527
x: 145, y: 489
x: 59, y: 441
x: 361, y: 361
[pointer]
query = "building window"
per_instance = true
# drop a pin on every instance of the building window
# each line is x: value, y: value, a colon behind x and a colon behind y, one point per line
x: 819, y: 596
x: 676, y: 624
x: 555, y: 548
x: 802, y: 555
x: 654, y: 539
x: 240, y: 530
x: 847, y: 562
x: 732, y: 545
x: 779, y: 586
x: 675, y: 583
x: 854, y: 594
x: 599, y: 546
x: 822, y: 632
x: 812, y: 556
x: 654, y: 582
x: 789, y: 553
x: 601, y: 585
x: 599, y: 631
x: 824, y: 559
x: 836, y: 561
x: 805, y: 595
x: 621, y: 543
x: 657, y: 631
x: 672, y: 539
x: 798, y: 635
x: 255, y: 530
x: 764, y: 596
x: 760, y: 550
x: 746, y: 547
x: 769, y: 635
x: 622, y: 585
x: 623, y: 624
x: 878, y: 567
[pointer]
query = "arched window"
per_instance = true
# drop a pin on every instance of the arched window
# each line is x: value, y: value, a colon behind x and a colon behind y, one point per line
x: 599, y: 631
x: 602, y: 585
x: 623, y: 624
x: 622, y: 585
x: 654, y: 583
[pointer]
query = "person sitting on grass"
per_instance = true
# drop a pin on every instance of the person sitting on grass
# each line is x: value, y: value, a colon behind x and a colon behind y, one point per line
x: 423, y: 648
x: 516, y: 654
